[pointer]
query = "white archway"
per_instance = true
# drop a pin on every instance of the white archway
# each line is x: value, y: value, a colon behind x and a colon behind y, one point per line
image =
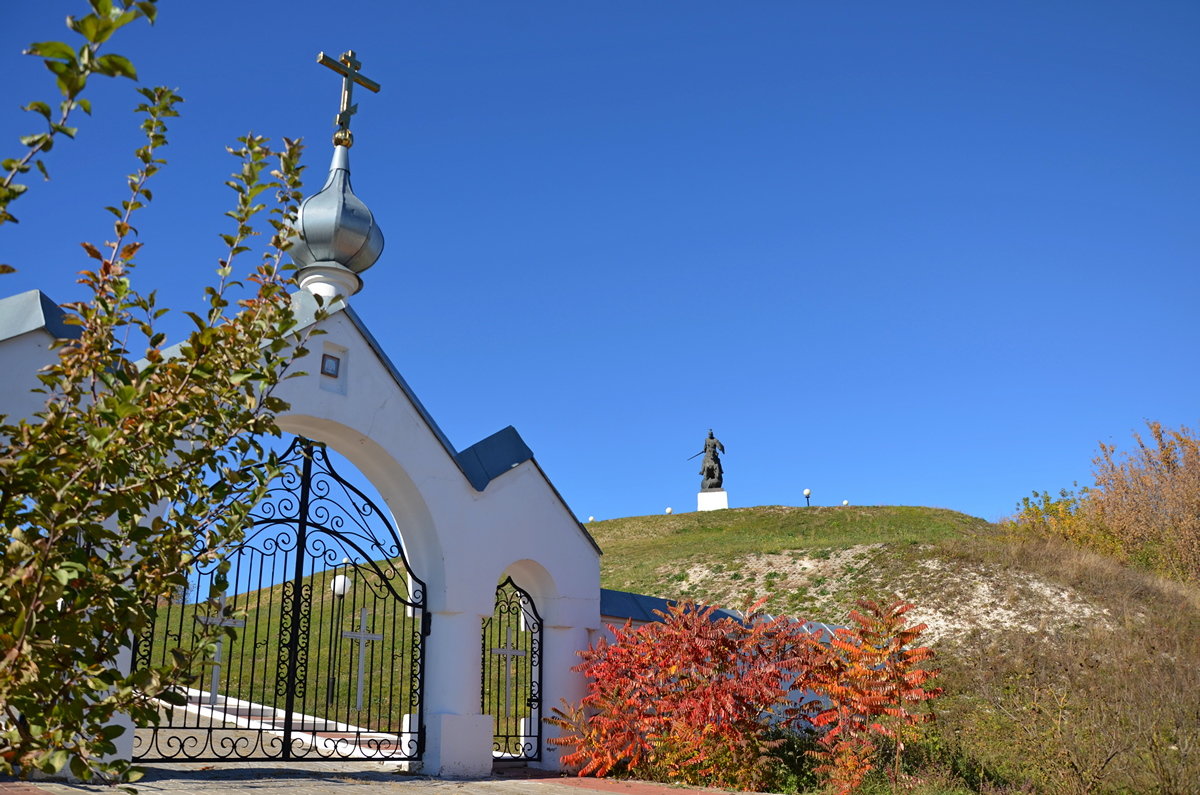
x: 410, y: 513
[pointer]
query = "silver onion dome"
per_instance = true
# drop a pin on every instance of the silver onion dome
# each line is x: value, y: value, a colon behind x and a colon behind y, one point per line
x: 337, y: 236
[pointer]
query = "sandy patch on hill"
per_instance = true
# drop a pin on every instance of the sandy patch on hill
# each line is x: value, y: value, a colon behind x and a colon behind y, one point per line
x: 985, y: 598
x: 952, y: 599
x: 782, y: 571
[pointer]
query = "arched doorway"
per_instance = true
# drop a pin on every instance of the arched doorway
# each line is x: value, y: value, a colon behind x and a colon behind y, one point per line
x: 511, y: 690
x: 327, y: 625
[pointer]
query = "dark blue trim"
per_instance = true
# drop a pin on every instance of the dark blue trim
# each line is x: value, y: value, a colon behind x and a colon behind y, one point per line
x: 639, y: 607
x: 490, y: 458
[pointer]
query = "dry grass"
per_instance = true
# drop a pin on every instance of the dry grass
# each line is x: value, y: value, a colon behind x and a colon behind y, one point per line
x: 1108, y: 701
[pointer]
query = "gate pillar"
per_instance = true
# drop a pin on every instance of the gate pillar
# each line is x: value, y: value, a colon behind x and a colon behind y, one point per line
x: 560, y: 656
x: 458, y: 737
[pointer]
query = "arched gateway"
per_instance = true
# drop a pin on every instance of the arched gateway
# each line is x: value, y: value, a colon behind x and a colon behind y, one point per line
x: 511, y: 686
x: 465, y: 519
x: 328, y: 624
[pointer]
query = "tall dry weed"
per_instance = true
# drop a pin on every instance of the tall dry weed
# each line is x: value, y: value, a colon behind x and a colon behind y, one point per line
x: 1150, y: 498
x: 1144, y: 506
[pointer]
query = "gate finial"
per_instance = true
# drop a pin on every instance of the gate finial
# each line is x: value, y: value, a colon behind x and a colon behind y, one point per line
x: 337, y: 236
x: 347, y: 66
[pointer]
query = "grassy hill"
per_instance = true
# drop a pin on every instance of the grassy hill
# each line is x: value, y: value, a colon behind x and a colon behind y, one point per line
x: 813, y: 560
x: 1065, y: 671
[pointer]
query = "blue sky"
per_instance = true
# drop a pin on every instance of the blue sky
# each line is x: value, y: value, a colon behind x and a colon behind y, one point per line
x: 926, y: 253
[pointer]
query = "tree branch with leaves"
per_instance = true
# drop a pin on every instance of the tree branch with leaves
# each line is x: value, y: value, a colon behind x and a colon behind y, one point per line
x: 144, y: 460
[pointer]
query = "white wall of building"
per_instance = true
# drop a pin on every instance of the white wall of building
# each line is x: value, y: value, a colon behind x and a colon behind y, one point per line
x: 460, y: 541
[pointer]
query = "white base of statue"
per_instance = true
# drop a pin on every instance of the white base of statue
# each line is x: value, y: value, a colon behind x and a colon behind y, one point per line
x: 712, y: 500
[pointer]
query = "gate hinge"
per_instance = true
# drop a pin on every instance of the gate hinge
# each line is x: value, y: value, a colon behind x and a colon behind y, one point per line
x: 426, y: 623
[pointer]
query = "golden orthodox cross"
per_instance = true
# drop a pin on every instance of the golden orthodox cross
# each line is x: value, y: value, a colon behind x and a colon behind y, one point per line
x: 347, y: 66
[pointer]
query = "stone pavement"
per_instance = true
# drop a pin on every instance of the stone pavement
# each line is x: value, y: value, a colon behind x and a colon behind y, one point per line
x: 355, y: 778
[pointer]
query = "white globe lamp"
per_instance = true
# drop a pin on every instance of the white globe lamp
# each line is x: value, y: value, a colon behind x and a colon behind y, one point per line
x: 340, y: 585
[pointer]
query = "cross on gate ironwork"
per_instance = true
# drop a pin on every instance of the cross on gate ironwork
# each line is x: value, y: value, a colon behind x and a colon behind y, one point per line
x: 218, y: 620
x: 508, y: 653
x: 347, y: 66
x: 363, y: 637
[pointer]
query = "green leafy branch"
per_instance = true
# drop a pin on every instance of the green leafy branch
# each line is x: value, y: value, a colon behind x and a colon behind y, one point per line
x: 71, y: 68
x: 133, y: 473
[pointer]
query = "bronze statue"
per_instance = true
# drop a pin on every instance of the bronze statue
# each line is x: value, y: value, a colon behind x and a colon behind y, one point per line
x: 710, y: 468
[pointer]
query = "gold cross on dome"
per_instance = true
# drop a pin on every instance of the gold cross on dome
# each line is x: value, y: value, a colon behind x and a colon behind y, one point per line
x: 347, y: 66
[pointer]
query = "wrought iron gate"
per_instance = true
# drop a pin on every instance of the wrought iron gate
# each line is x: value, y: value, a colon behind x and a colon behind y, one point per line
x: 512, y: 674
x: 329, y: 624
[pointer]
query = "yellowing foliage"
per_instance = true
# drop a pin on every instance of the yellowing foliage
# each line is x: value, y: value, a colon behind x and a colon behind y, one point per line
x: 1144, y: 506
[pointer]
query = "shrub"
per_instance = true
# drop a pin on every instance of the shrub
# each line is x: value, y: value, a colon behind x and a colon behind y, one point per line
x: 871, y: 676
x: 690, y: 699
x: 131, y: 471
x: 718, y: 702
x: 1150, y: 499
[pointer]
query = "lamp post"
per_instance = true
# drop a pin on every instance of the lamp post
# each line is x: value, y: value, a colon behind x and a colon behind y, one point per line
x: 340, y: 585
x: 807, y: 495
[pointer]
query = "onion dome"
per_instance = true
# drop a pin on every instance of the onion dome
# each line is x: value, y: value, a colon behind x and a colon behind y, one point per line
x: 337, y: 236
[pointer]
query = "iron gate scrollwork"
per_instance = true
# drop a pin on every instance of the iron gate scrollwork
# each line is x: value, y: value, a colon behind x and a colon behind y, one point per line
x: 328, y: 619
x: 511, y: 691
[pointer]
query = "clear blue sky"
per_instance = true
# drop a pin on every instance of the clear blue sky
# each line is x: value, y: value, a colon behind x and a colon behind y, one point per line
x: 926, y: 253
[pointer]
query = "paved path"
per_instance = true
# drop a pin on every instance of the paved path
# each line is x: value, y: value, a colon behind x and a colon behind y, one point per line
x: 357, y: 778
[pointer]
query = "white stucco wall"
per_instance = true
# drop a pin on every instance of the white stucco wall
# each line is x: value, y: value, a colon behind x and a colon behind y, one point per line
x: 459, y: 540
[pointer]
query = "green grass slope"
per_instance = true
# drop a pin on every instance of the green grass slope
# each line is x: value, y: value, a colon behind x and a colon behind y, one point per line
x: 806, y: 558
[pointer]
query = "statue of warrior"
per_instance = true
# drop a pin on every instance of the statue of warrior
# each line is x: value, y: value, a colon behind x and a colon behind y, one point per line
x: 710, y: 469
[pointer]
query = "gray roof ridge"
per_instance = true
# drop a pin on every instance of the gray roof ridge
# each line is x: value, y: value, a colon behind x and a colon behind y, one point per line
x: 624, y: 604
x: 33, y: 310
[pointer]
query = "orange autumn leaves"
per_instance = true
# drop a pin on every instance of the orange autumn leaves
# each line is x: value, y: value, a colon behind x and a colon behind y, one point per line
x: 707, y: 700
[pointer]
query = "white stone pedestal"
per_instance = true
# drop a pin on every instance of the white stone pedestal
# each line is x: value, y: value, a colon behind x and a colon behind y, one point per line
x: 458, y: 746
x: 712, y: 500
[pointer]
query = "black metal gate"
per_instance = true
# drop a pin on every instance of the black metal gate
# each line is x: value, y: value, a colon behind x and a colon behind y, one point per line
x: 329, y: 623
x: 512, y: 674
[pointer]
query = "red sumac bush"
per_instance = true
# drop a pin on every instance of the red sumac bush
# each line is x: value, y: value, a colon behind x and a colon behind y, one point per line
x: 688, y: 699
x: 870, y: 676
x: 703, y: 699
